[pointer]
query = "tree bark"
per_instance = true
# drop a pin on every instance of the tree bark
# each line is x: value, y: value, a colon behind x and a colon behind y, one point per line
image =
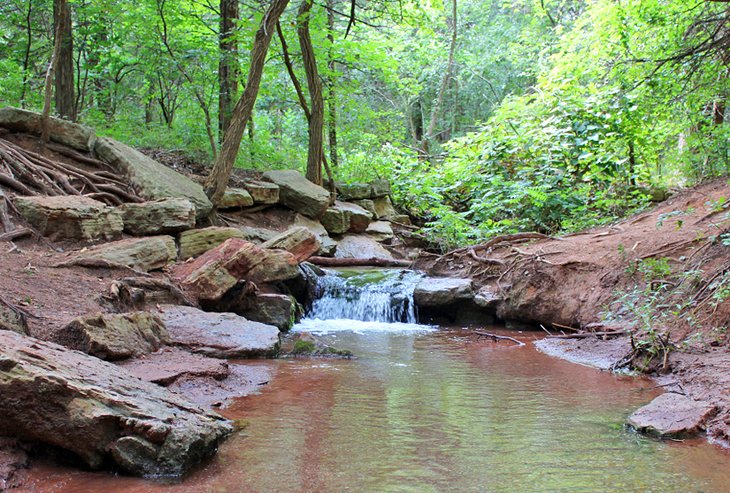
x: 316, y: 120
x: 26, y: 56
x: 220, y: 174
x: 228, y: 64
x: 331, y: 92
x: 64, y: 73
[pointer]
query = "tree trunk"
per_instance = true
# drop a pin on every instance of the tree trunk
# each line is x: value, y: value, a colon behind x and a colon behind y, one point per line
x: 64, y: 73
x: 331, y: 93
x: 220, y: 174
x: 26, y: 56
x: 228, y: 64
x: 316, y: 120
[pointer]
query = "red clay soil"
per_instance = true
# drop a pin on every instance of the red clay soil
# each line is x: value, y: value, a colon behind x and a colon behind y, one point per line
x: 603, y: 280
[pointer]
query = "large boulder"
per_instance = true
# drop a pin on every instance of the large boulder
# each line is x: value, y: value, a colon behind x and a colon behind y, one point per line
x: 195, y: 242
x: 298, y: 193
x: 167, y: 366
x: 345, y: 216
x: 433, y: 291
x: 62, y: 131
x: 150, y: 179
x: 219, y: 335
x: 672, y: 416
x: 263, y: 192
x: 299, y: 241
x: 235, y: 198
x: 354, y: 191
x: 71, y: 217
x: 214, y: 273
x: 145, y: 254
x: 361, y: 246
x: 167, y: 216
x: 279, y: 310
x: 114, y: 336
x: 99, y: 412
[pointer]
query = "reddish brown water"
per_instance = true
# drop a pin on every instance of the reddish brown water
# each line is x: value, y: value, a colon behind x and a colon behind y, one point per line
x: 435, y: 412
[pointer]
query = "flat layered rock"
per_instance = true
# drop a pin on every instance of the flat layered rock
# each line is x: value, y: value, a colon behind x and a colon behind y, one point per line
x: 235, y: 198
x: 214, y: 273
x: 145, y: 254
x: 359, y: 217
x: 440, y: 291
x: 299, y: 241
x: 114, y: 336
x: 196, y: 242
x: 167, y: 216
x: 64, y: 132
x: 298, y: 193
x: 354, y: 191
x: 257, y: 235
x: 71, y: 217
x: 672, y: 416
x: 361, y: 246
x: 171, y: 364
x: 99, y: 412
x: 380, y: 231
x: 219, y: 335
x: 327, y: 246
x: 384, y: 207
x: 279, y: 310
x: 380, y: 188
x: 150, y: 179
x: 263, y: 192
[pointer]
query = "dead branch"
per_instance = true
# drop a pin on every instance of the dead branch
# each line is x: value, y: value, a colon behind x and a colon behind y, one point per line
x: 496, y: 337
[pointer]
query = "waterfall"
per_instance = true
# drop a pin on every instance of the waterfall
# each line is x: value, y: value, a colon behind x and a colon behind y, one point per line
x: 370, y: 296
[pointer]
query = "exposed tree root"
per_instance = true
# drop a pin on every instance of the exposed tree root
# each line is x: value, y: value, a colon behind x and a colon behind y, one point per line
x: 496, y: 337
x: 97, y: 263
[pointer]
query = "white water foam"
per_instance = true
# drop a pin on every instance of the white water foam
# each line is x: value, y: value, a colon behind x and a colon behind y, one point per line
x: 322, y: 327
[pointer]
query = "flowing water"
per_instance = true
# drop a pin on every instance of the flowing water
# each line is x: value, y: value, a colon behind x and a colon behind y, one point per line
x: 427, y: 409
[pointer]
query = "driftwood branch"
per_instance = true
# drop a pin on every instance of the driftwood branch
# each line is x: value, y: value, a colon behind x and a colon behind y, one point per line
x: 497, y: 338
x: 358, y: 262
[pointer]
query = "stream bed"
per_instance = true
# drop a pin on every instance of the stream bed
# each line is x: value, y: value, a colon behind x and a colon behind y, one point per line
x: 426, y: 409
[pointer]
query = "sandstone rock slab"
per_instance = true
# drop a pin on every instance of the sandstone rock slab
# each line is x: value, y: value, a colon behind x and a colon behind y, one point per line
x: 360, y: 246
x: 435, y: 291
x: 279, y: 310
x: 379, y: 188
x: 64, y: 132
x: 114, y: 336
x: 298, y: 193
x: 672, y: 416
x: 354, y: 191
x: 219, y: 335
x: 71, y: 217
x: 235, y: 198
x: 195, y: 242
x: 327, y: 245
x: 167, y: 216
x: 98, y: 411
x: 150, y: 179
x: 146, y: 254
x: 380, y: 231
x: 171, y: 364
x: 263, y: 192
x: 215, y: 272
x: 299, y: 241
x: 384, y: 207
x: 345, y: 216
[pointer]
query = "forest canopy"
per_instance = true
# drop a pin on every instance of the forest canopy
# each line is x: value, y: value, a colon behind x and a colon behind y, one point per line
x: 488, y: 116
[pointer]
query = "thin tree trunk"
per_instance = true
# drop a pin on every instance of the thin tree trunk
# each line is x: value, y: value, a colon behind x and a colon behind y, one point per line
x: 331, y: 92
x: 48, y: 89
x: 228, y: 64
x: 26, y: 57
x: 316, y: 120
x: 64, y: 80
x: 436, y: 110
x: 221, y: 172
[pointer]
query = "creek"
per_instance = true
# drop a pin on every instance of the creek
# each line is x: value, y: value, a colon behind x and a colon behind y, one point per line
x: 429, y: 409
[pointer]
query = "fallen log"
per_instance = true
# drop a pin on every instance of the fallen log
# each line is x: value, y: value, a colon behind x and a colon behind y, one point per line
x: 358, y: 262
x: 584, y: 335
x: 496, y: 337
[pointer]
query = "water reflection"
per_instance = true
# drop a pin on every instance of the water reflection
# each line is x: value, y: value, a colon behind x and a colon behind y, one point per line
x: 437, y: 412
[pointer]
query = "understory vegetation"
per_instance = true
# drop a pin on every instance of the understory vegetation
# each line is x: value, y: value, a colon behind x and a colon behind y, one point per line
x: 487, y: 116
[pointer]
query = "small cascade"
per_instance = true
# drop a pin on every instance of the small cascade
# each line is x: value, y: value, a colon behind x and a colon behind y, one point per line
x: 370, y: 296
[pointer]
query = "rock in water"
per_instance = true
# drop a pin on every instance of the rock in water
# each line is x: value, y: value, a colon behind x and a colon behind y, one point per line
x: 361, y: 246
x: 672, y: 416
x: 71, y: 217
x: 99, y: 412
x: 114, y: 336
x: 214, y: 273
x: 62, y: 131
x: 167, y: 216
x: 219, y: 335
x: 150, y: 179
x: 432, y: 291
x: 198, y: 241
x: 299, y: 241
x: 298, y: 193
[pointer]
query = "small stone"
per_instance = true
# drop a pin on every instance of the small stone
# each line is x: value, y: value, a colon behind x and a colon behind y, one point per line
x: 235, y: 198
x: 380, y: 231
x: 263, y: 192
